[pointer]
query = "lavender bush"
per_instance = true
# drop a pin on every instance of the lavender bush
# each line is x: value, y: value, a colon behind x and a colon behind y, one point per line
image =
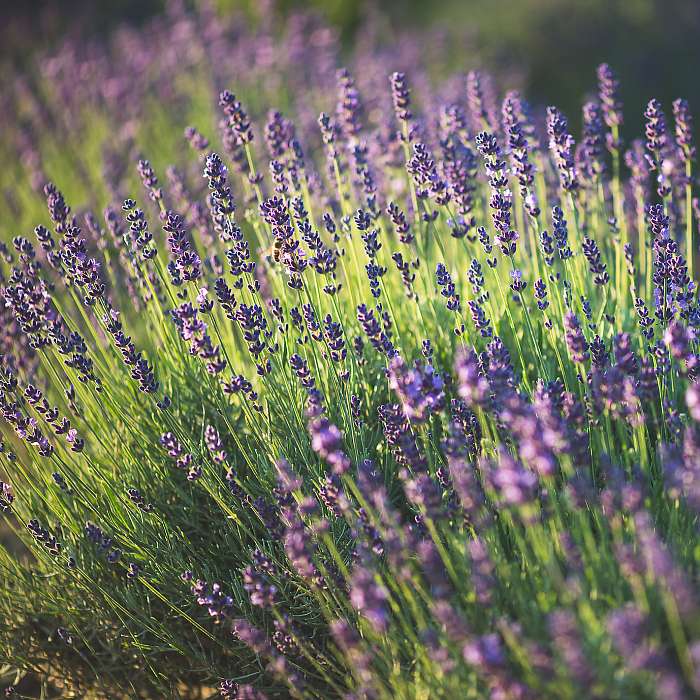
x: 387, y: 389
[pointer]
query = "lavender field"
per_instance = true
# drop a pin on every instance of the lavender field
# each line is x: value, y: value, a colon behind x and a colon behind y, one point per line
x: 333, y: 372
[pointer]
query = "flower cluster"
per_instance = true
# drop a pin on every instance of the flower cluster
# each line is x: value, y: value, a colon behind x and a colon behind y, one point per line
x: 409, y: 390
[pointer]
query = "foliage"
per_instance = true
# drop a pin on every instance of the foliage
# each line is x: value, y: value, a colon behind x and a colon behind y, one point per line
x: 398, y: 401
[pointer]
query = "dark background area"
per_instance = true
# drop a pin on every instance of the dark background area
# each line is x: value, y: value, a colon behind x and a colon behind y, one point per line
x: 552, y: 45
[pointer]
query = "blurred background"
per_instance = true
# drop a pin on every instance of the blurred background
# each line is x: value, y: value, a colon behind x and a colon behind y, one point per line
x: 550, y: 46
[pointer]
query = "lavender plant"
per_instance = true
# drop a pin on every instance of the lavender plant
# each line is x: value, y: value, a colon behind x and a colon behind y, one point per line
x: 398, y: 401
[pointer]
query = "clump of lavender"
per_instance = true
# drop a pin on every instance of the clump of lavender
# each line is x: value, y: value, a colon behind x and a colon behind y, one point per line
x: 291, y: 427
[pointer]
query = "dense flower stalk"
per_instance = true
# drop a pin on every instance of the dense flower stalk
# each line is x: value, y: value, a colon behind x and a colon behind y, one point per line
x: 290, y: 426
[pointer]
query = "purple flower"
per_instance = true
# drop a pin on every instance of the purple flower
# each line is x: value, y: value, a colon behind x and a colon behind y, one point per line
x: 397, y: 431
x: 684, y: 129
x: 679, y: 339
x: 661, y: 566
x: 256, y: 581
x: 349, y: 108
x: 434, y: 569
x: 479, y: 106
x: 609, y: 95
x: 646, y: 322
x: 408, y: 276
x: 195, y: 332
x: 251, y: 636
x: 401, y: 225
x: 535, y: 443
x: 519, y: 151
x: 485, y: 652
x: 592, y: 152
x: 378, y: 336
x: 141, y: 370
x: 213, y: 442
x: 510, y: 481
x: 425, y: 495
x: 369, y: 598
x: 566, y: 636
x: 501, y: 197
x: 629, y: 630
x: 64, y: 635
x: 185, y: 265
x: 279, y: 133
x: 655, y: 131
x: 561, y: 143
x: 482, y: 569
x: 333, y: 333
x: 299, y: 548
x: 481, y: 321
x: 103, y: 542
x: 447, y: 288
x: 473, y: 386
x: 517, y: 284
x: 223, y: 205
x: 575, y: 340
x: 692, y: 399
x: 498, y: 370
x: 356, y: 650
x: 195, y: 139
x: 213, y: 599
x: 426, y: 179
x: 150, y: 181
x: 541, y: 295
x: 625, y: 359
x: 7, y: 497
x: 326, y: 441
x: 419, y: 388
x: 462, y: 446
x: 401, y: 96
x: 228, y: 689
x: 237, y: 118
x: 595, y: 261
x: 138, y: 500
x: 44, y: 537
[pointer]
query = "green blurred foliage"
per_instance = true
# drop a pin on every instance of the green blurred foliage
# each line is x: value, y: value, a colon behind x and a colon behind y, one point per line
x: 653, y: 45
x: 552, y: 46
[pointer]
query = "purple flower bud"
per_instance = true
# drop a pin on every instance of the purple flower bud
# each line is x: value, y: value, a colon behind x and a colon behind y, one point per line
x: 655, y: 131
x: 401, y: 97
x: 608, y: 92
x: 420, y: 388
x: 326, y: 441
x: 684, y: 129
x: 369, y: 597
x: 473, y: 386
x: 512, y: 484
x: 213, y: 598
x: 256, y: 580
x: 561, y: 143
x: 692, y: 399
x: 237, y: 118
x: 566, y: 636
x: 575, y: 340
x: 7, y: 497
